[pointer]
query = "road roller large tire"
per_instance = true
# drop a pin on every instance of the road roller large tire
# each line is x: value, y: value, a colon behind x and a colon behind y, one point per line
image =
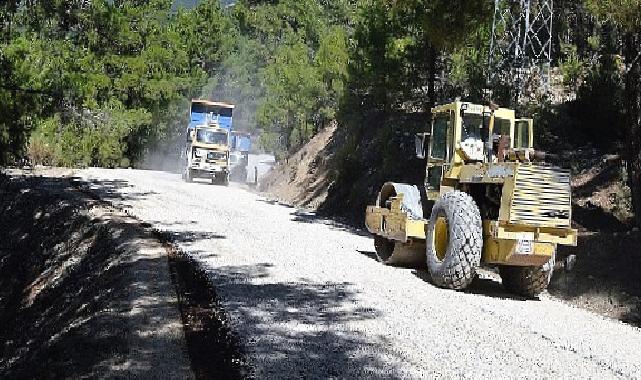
x: 527, y: 281
x: 454, y: 266
x: 384, y: 248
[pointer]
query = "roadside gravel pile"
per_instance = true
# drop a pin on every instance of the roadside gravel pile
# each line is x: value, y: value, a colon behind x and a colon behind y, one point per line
x: 307, y: 299
x: 84, y: 292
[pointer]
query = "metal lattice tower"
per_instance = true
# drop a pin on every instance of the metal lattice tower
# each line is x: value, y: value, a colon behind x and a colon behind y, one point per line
x: 521, y: 45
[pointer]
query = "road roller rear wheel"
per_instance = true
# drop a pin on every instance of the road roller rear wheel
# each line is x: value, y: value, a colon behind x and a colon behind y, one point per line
x: 384, y: 248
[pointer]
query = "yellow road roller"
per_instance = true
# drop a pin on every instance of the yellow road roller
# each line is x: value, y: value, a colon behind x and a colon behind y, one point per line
x: 489, y: 198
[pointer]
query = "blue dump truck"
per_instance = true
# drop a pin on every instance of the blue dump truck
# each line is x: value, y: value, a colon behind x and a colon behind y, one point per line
x: 239, y: 156
x: 241, y: 142
x: 209, y: 142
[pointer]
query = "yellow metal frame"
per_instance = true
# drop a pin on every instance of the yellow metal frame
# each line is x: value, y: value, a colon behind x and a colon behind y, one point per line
x: 454, y: 160
x: 393, y: 223
x: 501, y: 238
x: 505, y: 252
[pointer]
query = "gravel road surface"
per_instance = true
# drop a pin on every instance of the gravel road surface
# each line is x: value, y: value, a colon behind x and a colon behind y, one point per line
x: 307, y: 298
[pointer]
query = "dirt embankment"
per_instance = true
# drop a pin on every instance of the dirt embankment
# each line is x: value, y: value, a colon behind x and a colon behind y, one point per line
x: 607, y: 275
x: 304, y: 178
x: 340, y: 171
x: 84, y: 291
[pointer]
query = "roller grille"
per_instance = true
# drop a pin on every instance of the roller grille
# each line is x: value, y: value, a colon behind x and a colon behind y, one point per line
x: 542, y: 196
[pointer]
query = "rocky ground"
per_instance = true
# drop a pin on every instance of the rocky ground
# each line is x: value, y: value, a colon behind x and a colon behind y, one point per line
x: 606, y: 277
x: 306, y: 298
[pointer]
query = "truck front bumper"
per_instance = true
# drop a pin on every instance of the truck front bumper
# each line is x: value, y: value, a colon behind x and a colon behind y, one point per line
x: 208, y: 170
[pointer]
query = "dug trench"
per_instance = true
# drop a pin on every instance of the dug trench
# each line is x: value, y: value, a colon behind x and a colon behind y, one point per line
x: 88, y: 291
x: 215, y: 351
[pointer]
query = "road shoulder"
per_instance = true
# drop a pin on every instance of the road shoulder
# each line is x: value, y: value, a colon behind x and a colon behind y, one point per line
x: 86, y: 291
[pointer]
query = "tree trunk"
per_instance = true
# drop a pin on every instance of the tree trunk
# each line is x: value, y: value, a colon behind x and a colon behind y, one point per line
x: 431, y: 80
x: 289, y: 129
x: 633, y: 119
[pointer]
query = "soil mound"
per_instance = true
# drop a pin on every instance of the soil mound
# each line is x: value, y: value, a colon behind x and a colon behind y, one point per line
x: 303, y: 179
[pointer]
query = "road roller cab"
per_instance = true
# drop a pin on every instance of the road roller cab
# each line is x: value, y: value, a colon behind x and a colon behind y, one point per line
x: 488, y: 198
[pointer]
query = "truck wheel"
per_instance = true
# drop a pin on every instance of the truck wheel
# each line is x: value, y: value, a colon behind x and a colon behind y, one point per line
x: 454, y: 240
x: 384, y: 248
x: 527, y: 281
x: 225, y: 180
x: 221, y: 181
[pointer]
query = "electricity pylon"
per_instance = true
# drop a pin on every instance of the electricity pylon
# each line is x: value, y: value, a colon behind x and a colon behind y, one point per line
x: 521, y: 45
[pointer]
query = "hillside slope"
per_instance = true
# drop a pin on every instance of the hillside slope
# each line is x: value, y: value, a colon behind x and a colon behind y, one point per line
x: 305, y: 177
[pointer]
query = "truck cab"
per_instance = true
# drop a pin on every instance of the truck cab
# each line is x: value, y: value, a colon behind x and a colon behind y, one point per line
x: 240, y: 147
x: 208, y: 145
x: 208, y: 154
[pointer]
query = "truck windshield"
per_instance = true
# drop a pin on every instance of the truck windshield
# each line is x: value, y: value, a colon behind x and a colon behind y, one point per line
x: 211, y: 137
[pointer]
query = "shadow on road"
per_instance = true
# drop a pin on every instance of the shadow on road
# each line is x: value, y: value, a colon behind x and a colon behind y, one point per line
x: 311, y: 217
x: 276, y: 203
x: 606, y: 277
x: 480, y: 286
x: 369, y: 254
x: 192, y: 236
x: 110, y: 190
x: 292, y: 328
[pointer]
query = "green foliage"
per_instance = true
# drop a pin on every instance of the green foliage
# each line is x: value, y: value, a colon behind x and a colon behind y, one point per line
x: 626, y: 13
x: 102, y: 73
x: 106, y: 82
x: 571, y: 66
x: 93, y: 138
x: 61, y: 59
x: 296, y: 68
x: 292, y: 86
x: 626, y: 16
